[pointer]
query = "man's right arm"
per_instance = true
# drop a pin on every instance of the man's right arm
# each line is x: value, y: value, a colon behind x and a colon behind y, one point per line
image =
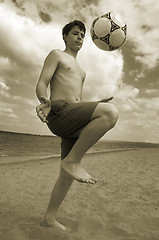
x: 48, y: 70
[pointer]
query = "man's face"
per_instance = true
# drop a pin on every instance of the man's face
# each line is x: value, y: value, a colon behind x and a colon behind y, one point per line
x: 74, y: 39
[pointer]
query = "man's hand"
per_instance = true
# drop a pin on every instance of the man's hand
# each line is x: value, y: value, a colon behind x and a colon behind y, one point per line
x: 43, y: 109
x: 106, y: 99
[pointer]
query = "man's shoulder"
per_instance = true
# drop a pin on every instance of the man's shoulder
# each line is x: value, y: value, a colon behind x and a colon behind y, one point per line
x: 54, y: 55
x: 55, y: 52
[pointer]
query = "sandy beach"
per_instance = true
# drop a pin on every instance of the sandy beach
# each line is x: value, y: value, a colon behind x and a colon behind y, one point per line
x: 123, y: 205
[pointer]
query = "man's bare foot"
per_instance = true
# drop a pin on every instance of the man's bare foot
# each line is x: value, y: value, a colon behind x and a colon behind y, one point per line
x: 77, y: 172
x: 54, y: 224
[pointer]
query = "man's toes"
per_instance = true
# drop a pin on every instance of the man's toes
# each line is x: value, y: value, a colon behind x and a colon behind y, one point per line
x: 89, y: 181
x: 92, y: 182
x: 82, y: 180
x: 94, y: 179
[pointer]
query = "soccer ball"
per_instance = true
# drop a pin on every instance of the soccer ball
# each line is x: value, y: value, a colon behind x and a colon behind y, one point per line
x: 107, y: 32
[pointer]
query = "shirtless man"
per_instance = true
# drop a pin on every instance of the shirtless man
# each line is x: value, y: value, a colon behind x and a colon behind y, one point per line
x: 79, y: 124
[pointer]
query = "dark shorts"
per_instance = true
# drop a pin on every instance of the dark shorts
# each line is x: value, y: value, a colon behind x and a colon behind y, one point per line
x: 67, y: 118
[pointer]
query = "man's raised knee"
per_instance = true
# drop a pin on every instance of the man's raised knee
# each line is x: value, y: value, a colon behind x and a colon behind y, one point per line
x: 113, y: 114
x: 107, y: 111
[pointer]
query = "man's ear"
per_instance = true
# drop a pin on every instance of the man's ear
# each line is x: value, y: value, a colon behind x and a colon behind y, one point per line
x: 64, y: 37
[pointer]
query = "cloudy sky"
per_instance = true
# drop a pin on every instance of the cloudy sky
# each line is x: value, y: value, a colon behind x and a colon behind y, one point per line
x: 30, y: 29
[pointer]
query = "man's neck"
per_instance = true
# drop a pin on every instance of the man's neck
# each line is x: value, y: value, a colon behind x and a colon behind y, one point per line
x: 71, y: 52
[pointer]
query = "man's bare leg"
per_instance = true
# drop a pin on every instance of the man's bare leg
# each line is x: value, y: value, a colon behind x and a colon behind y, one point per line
x: 59, y: 192
x: 65, y: 180
x: 103, y: 119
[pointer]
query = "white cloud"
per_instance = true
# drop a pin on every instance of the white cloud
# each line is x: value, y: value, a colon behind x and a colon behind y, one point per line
x: 26, y: 42
x: 4, y: 86
x: 104, y: 71
x: 126, y: 93
x: 137, y: 74
x: 6, y: 112
x: 152, y: 91
x: 138, y: 120
x: 3, y: 89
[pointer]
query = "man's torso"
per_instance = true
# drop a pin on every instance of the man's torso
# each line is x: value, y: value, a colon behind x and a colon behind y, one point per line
x: 67, y: 80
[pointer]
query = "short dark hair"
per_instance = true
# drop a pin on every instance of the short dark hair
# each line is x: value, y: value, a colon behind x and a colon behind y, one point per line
x: 72, y: 24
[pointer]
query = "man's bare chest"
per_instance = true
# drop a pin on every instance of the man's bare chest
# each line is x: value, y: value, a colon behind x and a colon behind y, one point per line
x: 70, y: 67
